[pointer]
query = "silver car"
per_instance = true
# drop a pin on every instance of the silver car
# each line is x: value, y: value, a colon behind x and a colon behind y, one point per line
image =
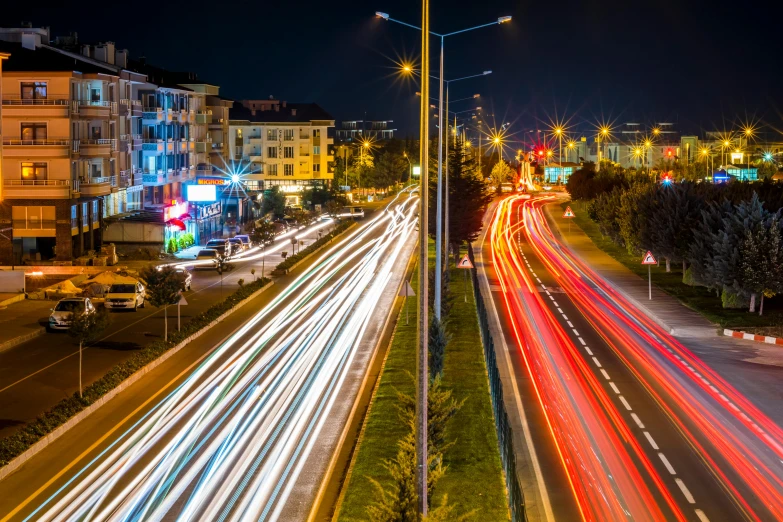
x: 62, y: 314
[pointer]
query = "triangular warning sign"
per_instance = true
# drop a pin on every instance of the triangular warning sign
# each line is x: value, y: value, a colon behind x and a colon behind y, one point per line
x: 182, y: 301
x: 406, y: 290
x: 465, y: 262
x: 649, y: 259
x: 568, y: 213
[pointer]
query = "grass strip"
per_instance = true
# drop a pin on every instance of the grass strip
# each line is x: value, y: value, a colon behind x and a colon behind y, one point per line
x: 697, y: 298
x: 19, y: 442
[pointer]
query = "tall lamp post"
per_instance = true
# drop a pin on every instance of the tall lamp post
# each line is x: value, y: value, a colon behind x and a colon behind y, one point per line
x: 559, y: 133
x: 603, y: 132
x: 439, y: 206
x: 410, y: 166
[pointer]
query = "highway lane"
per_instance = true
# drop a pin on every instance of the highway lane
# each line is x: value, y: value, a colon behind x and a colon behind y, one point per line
x: 231, y: 439
x: 37, y: 374
x: 641, y: 425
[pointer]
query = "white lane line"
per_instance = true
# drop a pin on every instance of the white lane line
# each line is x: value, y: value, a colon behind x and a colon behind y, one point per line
x: 597, y: 363
x: 552, y: 298
x: 588, y: 350
x: 556, y: 305
x: 637, y: 420
x: 625, y: 403
x: 584, y: 344
x: 667, y: 464
x: 575, y: 332
x: 547, y: 292
x: 606, y: 375
x: 560, y: 310
x: 651, y: 440
x: 537, y: 279
x: 569, y: 323
x: 702, y: 516
x: 615, y: 388
x: 565, y: 317
x: 543, y: 286
x: 685, y: 491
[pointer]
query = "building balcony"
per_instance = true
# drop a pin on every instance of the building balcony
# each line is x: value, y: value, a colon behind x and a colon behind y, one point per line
x: 204, y: 169
x: 124, y: 107
x: 37, y: 189
x: 34, y: 228
x: 99, y: 186
x: 97, y: 147
x: 138, y: 178
x: 154, y: 178
x: 154, y: 146
x: 204, y: 117
x: 53, y: 106
x: 203, y: 145
x: 152, y: 115
x: 173, y: 176
x: 136, y: 110
x: 49, y: 147
x: 95, y: 109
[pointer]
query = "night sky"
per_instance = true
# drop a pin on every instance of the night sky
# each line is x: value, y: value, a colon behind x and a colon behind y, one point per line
x: 704, y: 65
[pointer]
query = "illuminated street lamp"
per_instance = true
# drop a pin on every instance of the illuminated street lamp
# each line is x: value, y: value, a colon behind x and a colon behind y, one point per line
x: 603, y: 132
x: 558, y: 131
x: 706, y: 153
x: 571, y: 146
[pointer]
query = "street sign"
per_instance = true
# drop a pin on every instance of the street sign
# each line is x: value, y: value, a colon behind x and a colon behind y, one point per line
x: 465, y: 262
x: 568, y: 213
x: 649, y: 259
x: 182, y: 301
x: 406, y: 290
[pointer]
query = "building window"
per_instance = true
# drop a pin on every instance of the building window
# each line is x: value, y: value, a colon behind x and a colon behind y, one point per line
x: 288, y: 169
x: 271, y: 152
x: 316, y: 149
x: 288, y: 134
x: 95, y: 94
x: 239, y: 134
x: 33, y: 131
x: 34, y: 171
x: 271, y: 134
x: 288, y: 152
x: 272, y: 169
x: 316, y: 167
x: 33, y: 90
x: 258, y: 168
x: 316, y: 133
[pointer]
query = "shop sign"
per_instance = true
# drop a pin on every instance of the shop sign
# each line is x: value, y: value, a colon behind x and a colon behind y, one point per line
x: 208, y: 211
x: 212, y: 181
x: 175, y: 210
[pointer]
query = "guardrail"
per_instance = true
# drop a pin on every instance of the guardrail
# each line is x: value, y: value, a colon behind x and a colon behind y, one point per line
x: 516, y: 498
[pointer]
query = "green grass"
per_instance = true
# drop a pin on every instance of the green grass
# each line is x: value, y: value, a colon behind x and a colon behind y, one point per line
x: 697, y: 298
x: 474, y: 479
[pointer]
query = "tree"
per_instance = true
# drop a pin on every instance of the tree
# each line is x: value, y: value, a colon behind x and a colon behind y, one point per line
x: 263, y: 234
x: 501, y: 173
x: 163, y: 286
x: 389, y: 170
x: 273, y: 202
x: 762, y: 258
x: 86, y: 327
x: 438, y: 341
x: 672, y: 222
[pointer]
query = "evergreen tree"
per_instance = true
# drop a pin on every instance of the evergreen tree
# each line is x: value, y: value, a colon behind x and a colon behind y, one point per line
x: 438, y: 340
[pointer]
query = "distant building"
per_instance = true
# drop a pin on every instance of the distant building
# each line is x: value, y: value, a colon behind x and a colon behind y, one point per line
x: 742, y: 172
x: 354, y: 130
x: 555, y: 173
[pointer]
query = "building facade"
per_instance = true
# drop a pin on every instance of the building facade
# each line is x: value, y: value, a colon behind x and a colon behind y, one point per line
x: 357, y: 130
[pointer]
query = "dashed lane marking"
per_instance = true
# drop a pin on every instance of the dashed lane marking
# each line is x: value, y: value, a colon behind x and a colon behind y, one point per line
x: 637, y: 420
x: 625, y: 403
x: 615, y: 388
x: 651, y: 440
x: 702, y: 516
x: 606, y: 375
x: 685, y: 491
x: 666, y: 463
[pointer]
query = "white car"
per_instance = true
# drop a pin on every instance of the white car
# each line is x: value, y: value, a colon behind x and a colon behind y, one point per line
x: 61, y: 316
x: 187, y: 278
x: 125, y: 296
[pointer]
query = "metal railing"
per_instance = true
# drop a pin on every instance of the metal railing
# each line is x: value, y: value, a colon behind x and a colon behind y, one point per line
x: 86, y: 180
x: 34, y: 224
x: 36, y: 182
x: 38, y: 143
x: 516, y: 498
x: 93, y: 103
x: 52, y: 100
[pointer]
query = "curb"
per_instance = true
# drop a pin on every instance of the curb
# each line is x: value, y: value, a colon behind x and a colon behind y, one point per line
x: 7, y: 345
x: 60, y: 430
x: 752, y: 337
x: 12, y: 300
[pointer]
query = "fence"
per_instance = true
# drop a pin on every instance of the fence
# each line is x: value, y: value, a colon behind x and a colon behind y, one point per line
x: 516, y: 499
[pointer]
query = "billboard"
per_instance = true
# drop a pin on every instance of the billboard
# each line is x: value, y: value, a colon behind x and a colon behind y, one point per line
x: 201, y: 193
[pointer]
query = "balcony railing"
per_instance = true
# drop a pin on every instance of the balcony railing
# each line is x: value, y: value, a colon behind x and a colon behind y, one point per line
x: 94, y: 103
x: 86, y: 180
x: 36, y: 182
x: 11, y: 99
x: 47, y: 142
x: 113, y: 181
x: 34, y: 224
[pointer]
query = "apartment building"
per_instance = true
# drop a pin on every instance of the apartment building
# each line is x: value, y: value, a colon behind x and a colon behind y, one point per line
x: 65, y: 148
x: 286, y: 145
x: 216, y: 117
x: 356, y: 130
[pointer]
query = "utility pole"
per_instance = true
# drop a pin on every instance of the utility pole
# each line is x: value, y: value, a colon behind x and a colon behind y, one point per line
x: 423, y: 327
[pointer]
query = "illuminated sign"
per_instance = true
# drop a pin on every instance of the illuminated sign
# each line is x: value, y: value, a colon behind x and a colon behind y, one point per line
x: 212, y: 181
x: 201, y: 193
x: 208, y: 211
x: 175, y: 211
x: 417, y: 170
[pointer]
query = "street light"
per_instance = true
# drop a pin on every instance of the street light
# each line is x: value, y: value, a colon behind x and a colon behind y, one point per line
x: 603, y: 132
x: 571, y: 146
x: 442, y: 187
x: 410, y: 166
x: 558, y: 131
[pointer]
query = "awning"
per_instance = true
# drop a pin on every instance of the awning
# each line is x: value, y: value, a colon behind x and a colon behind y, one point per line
x: 175, y: 222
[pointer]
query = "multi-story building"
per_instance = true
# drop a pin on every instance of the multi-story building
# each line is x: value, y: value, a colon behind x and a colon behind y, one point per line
x: 287, y: 145
x: 356, y: 130
x: 66, y: 147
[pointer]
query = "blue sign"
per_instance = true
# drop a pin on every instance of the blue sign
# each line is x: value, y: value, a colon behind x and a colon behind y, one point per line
x: 720, y: 177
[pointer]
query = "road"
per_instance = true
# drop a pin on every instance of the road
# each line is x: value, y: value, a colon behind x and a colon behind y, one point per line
x: 236, y: 435
x: 37, y: 374
x: 627, y: 422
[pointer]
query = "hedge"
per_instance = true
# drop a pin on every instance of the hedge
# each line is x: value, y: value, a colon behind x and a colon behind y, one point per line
x: 16, y: 444
x: 289, y: 262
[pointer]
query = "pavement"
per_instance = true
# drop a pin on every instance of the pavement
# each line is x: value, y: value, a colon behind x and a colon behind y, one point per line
x: 38, y: 369
x: 309, y: 340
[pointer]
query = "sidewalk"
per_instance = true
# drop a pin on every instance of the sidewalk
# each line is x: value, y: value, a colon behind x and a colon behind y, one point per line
x: 667, y: 311
x: 22, y: 321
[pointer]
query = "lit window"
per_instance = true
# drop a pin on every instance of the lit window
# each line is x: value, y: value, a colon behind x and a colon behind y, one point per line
x: 317, y: 149
x: 34, y: 90
x: 316, y: 167
x: 288, y: 134
x: 271, y: 134
x: 316, y: 133
x: 34, y: 171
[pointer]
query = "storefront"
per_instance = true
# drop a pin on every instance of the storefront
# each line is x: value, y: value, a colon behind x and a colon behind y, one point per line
x: 180, y: 227
x: 208, y: 222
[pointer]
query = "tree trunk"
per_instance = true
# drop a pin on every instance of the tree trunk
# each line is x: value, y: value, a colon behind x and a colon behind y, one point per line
x: 761, y: 304
x: 166, y: 323
x: 752, y: 302
x: 668, y: 265
x: 684, y: 267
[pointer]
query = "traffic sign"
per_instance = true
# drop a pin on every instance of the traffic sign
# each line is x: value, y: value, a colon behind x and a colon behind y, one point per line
x: 568, y: 213
x: 182, y: 301
x: 406, y: 290
x: 649, y: 259
x: 465, y: 262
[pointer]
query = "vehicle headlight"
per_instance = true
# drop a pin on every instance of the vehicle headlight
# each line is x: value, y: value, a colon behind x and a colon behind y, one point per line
x: 52, y: 320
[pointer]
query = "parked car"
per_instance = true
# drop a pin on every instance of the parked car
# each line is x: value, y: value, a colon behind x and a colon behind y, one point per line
x: 188, y: 281
x: 221, y: 245
x: 207, y: 254
x: 245, y: 239
x: 62, y: 314
x: 125, y: 296
x: 237, y: 245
